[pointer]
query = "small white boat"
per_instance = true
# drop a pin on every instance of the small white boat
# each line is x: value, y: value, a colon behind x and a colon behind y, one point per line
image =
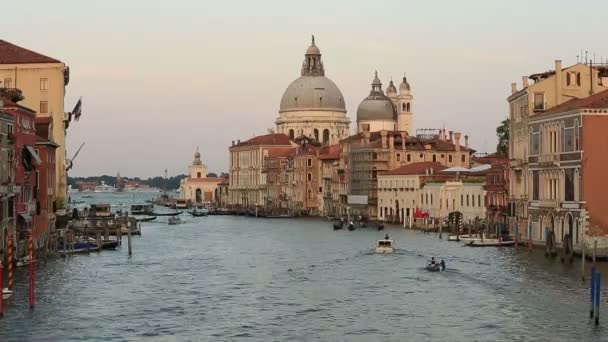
x: 24, y: 261
x: 489, y: 243
x: 459, y: 237
x: 6, y: 293
x: 384, y: 246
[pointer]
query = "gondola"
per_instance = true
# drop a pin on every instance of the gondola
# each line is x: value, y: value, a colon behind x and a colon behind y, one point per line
x: 196, y: 213
x: 351, y: 227
x: 145, y: 218
x: 380, y: 226
x: 338, y: 225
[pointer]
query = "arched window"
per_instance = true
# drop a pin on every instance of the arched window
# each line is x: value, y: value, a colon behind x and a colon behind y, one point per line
x: 450, y: 158
x: 398, y: 157
x: 326, y: 136
x: 567, y: 78
x: 463, y: 158
x: 403, y: 107
x: 309, y: 176
x: 434, y: 157
x: 461, y: 200
x: 291, y: 134
x: 409, y: 157
x: 408, y: 107
x: 316, y: 133
x: 578, y: 79
x: 479, y: 200
x: 467, y: 200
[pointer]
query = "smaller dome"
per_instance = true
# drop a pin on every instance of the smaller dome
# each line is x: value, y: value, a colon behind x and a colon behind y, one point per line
x: 391, y: 90
x: 376, y: 106
x: 197, y: 155
x: 404, y: 86
x: 313, y: 49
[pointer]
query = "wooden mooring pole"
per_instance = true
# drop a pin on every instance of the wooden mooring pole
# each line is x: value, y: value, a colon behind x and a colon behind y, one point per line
x: 598, y: 296
x: 129, y: 227
x: 1, y: 289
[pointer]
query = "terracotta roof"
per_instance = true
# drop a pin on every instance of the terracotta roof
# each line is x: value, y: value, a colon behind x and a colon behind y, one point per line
x: 205, y: 180
x: 599, y: 100
x: 412, y: 143
x: 13, y: 54
x: 416, y: 169
x: 330, y: 152
x: 225, y: 181
x: 281, y: 152
x: 268, y: 139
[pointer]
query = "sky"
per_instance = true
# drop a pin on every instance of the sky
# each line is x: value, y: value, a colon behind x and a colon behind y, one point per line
x: 159, y: 78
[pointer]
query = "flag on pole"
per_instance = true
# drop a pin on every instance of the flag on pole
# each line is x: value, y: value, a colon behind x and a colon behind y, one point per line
x: 77, y: 111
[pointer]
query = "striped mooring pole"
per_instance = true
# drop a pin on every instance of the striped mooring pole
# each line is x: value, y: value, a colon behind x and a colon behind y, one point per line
x: 30, y: 247
x: 9, y: 261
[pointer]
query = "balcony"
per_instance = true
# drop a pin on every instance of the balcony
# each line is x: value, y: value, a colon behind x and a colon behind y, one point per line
x: 549, y: 159
x: 516, y: 163
x: 327, y: 194
x: 548, y: 203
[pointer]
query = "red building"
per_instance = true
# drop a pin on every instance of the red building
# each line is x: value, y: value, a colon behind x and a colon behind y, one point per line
x: 44, y: 230
x: 25, y: 168
x: 497, y: 187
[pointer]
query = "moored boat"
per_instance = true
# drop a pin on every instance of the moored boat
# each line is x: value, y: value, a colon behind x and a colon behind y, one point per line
x: 198, y: 213
x: 338, y: 225
x: 489, y: 243
x: 6, y: 293
x: 142, y: 209
x: 351, y: 226
x: 79, y: 247
x: 175, y: 213
x: 384, y: 246
x: 24, y: 261
x: 145, y: 218
x: 174, y: 220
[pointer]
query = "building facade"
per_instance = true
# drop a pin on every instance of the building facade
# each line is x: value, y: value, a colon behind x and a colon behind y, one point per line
x: 247, y: 181
x: 567, y: 167
x: 42, y: 80
x: 370, y: 153
x: 312, y: 105
x: 547, y: 90
x: 7, y: 179
x: 197, y: 188
x: 45, y: 229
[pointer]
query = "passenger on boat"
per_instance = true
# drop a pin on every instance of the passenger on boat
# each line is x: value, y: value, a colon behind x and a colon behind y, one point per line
x: 442, y: 263
x: 386, y: 237
x: 432, y: 260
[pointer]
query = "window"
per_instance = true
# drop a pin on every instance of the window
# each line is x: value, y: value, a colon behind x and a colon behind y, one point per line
x: 326, y: 136
x: 431, y: 199
x: 309, y: 162
x: 398, y: 157
x: 568, y: 78
x: 578, y: 79
x: 535, y: 185
x: 316, y: 133
x: 539, y: 101
x: 291, y: 134
x: 403, y: 108
x: 44, y: 106
x: 479, y: 200
x: 463, y: 158
x: 450, y: 158
x: 421, y: 156
x: 409, y: 157
x: 461, y: 200
x: 198, y: 175
x: 44, y: 84
x: 467, y: 200
x: 320, y: 189
x: 309, y: 177
x: 434, y: 157
x: 8, y: 83
x: 569, y: 184
x: 408, y: 107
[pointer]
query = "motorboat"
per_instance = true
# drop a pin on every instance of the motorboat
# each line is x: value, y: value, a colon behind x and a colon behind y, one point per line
x: 489, y: 243
x: 6, y: 293
x: 174, y: 213
x: 106, y: 244
x: 79, y: 247
x: 436, y: 267
x: 100, y: 210
x: 173, y: 220
x: 458, y: 237
x: 384, y: 246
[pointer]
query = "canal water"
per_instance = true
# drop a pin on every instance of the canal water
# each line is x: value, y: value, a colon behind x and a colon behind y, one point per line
x: 223, y: 278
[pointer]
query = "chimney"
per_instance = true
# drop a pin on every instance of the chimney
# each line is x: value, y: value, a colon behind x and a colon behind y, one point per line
x: 391, y: 142
x: 451, y: 137
x: 558, y: 82
x: 383, y: 135
x: 524, y: 81
x: 513, y: 88
x: 457, y: 142
x: 466, y: 141
x: 232, y: 142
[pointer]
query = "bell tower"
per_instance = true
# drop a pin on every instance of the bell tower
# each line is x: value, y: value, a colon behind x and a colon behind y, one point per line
x: 404, y: 102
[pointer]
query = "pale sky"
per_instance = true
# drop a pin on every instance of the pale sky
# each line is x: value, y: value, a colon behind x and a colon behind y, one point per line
x: 159, y: 78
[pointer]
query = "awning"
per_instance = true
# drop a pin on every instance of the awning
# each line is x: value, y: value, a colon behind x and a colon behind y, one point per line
x: 26, y: 217
x: 33, y: 153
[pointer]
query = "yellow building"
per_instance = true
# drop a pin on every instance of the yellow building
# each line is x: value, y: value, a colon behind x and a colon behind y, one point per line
x: 197, y: 188
x: 42, y: 81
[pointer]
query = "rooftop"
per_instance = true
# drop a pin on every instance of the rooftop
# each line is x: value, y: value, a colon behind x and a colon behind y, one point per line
x: 599, y: 100
x: 267, y: 139
x: 13, y: 54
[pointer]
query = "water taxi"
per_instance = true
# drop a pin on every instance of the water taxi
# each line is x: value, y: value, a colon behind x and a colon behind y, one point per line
x: 384, y: 246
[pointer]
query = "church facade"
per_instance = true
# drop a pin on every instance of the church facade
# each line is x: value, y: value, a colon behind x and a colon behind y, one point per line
x: 197, y: 188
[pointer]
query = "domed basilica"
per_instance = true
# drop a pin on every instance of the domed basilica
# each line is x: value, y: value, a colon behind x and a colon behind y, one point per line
x: 392, y: 111
x: 313, y: 105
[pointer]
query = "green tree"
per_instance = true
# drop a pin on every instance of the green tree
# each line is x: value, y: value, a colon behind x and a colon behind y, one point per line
x: 502, y: 131
x: 12, y: 94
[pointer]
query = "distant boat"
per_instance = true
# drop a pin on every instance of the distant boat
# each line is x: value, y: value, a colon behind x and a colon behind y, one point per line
x: 174, y: 220
x: 79, y: 247
x: 433, y: 267
x: 103, y: 187
x: 198, y: 213
x: 144, y: 218
x: 489, y: 243
x: 6, y: 293
x: 175, y: 213
x: 142, y: 209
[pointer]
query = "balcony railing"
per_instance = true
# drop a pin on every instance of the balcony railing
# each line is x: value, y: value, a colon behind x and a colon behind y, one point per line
x: 552, y: 159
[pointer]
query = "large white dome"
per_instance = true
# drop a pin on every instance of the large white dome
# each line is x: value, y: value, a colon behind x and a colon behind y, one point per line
x: 312, y: 93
